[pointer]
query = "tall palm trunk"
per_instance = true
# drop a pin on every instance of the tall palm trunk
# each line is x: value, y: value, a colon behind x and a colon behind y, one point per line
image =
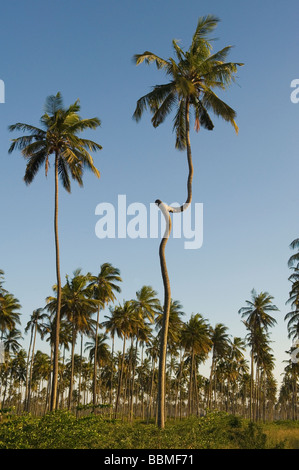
x: 165, y: 325
x: 120, y: 377
x: 191, y: 386
x: 165, y: 277
x: 111, y: 375
x: 80, y: 371
x: 251, y: 386
x: 133, y: 383
x: 27, y: 370
x: 57, y: 319
x: 30, y: 372
x: 211, y: 381
x: 150, y: 399
x: 95, y: 361
x: 72, y: 367
x: 295, y: 401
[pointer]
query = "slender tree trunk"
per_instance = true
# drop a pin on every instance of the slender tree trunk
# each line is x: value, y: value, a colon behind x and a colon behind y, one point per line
x: 165, y: 325
x: 111, y: 376
x: 120, y: 378
x: 27, y: 370
x: 190, y: 385
x: 57, y: 319
x: 72, y: 368
x: 31, y: 370
x: 167, y: 291
x: 133, y: 382
x: 251, y: 386
x: 80, y: 372
x: 295, y: 395
x: 95, y: 361
x: 149, y: 408
x: 211, y: 382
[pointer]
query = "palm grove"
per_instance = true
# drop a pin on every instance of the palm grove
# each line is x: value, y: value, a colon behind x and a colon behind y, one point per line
x: 156, y: 374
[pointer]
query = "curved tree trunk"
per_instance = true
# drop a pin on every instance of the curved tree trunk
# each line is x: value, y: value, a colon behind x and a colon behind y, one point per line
x: 166, y: 210
x: 165, y: 324
x: 57, y: 319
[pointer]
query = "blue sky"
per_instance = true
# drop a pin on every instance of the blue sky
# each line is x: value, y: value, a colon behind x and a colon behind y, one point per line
x: 247, y: 183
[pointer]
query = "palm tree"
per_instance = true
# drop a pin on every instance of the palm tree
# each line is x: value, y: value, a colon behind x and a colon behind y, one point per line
x: 35, y: 326
x: 11, y: 341
x: 124, y: 323
x: 2, y: 290
x: 174, y: 325
x: 100, y: 347
x: 194, y: 76
x: 11, y: 344
x: 146, y: 307
x: 146, y: 303
x: 195, y: 338
x: 293, y: 316
x: 104, y: 286
x: 58, y: 137
x: 9, y: 313
x: 258, y: 319
x: 220, y: 344
x: 77, y: 306
x: 152, y: 351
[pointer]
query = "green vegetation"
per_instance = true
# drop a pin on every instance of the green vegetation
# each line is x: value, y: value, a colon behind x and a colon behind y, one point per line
x: 61, y: 430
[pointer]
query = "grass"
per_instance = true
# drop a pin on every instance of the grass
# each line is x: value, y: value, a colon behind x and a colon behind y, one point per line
x: 286, y: 432
x: 62, y: 430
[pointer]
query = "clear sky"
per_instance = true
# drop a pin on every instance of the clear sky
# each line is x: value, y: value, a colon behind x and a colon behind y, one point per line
x: 247, y: 183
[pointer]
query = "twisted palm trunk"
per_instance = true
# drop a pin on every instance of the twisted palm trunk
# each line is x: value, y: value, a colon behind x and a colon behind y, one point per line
x: 57, y: 320
x: 166, y: 210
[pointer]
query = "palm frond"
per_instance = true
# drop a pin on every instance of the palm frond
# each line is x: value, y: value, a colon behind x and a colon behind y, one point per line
x: 34, y: 163
x: 153, y: 99
x: 179, y: 52
x: 148, y: 57
x: 53, y: 104
x: 179, y: 126
x: 164, y: 109
x: 211, y: 101
x: 64, y: 176
x: 200, y: 44
x: 82, y: 124
x: 202, y: 117
x: 21, y: 143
